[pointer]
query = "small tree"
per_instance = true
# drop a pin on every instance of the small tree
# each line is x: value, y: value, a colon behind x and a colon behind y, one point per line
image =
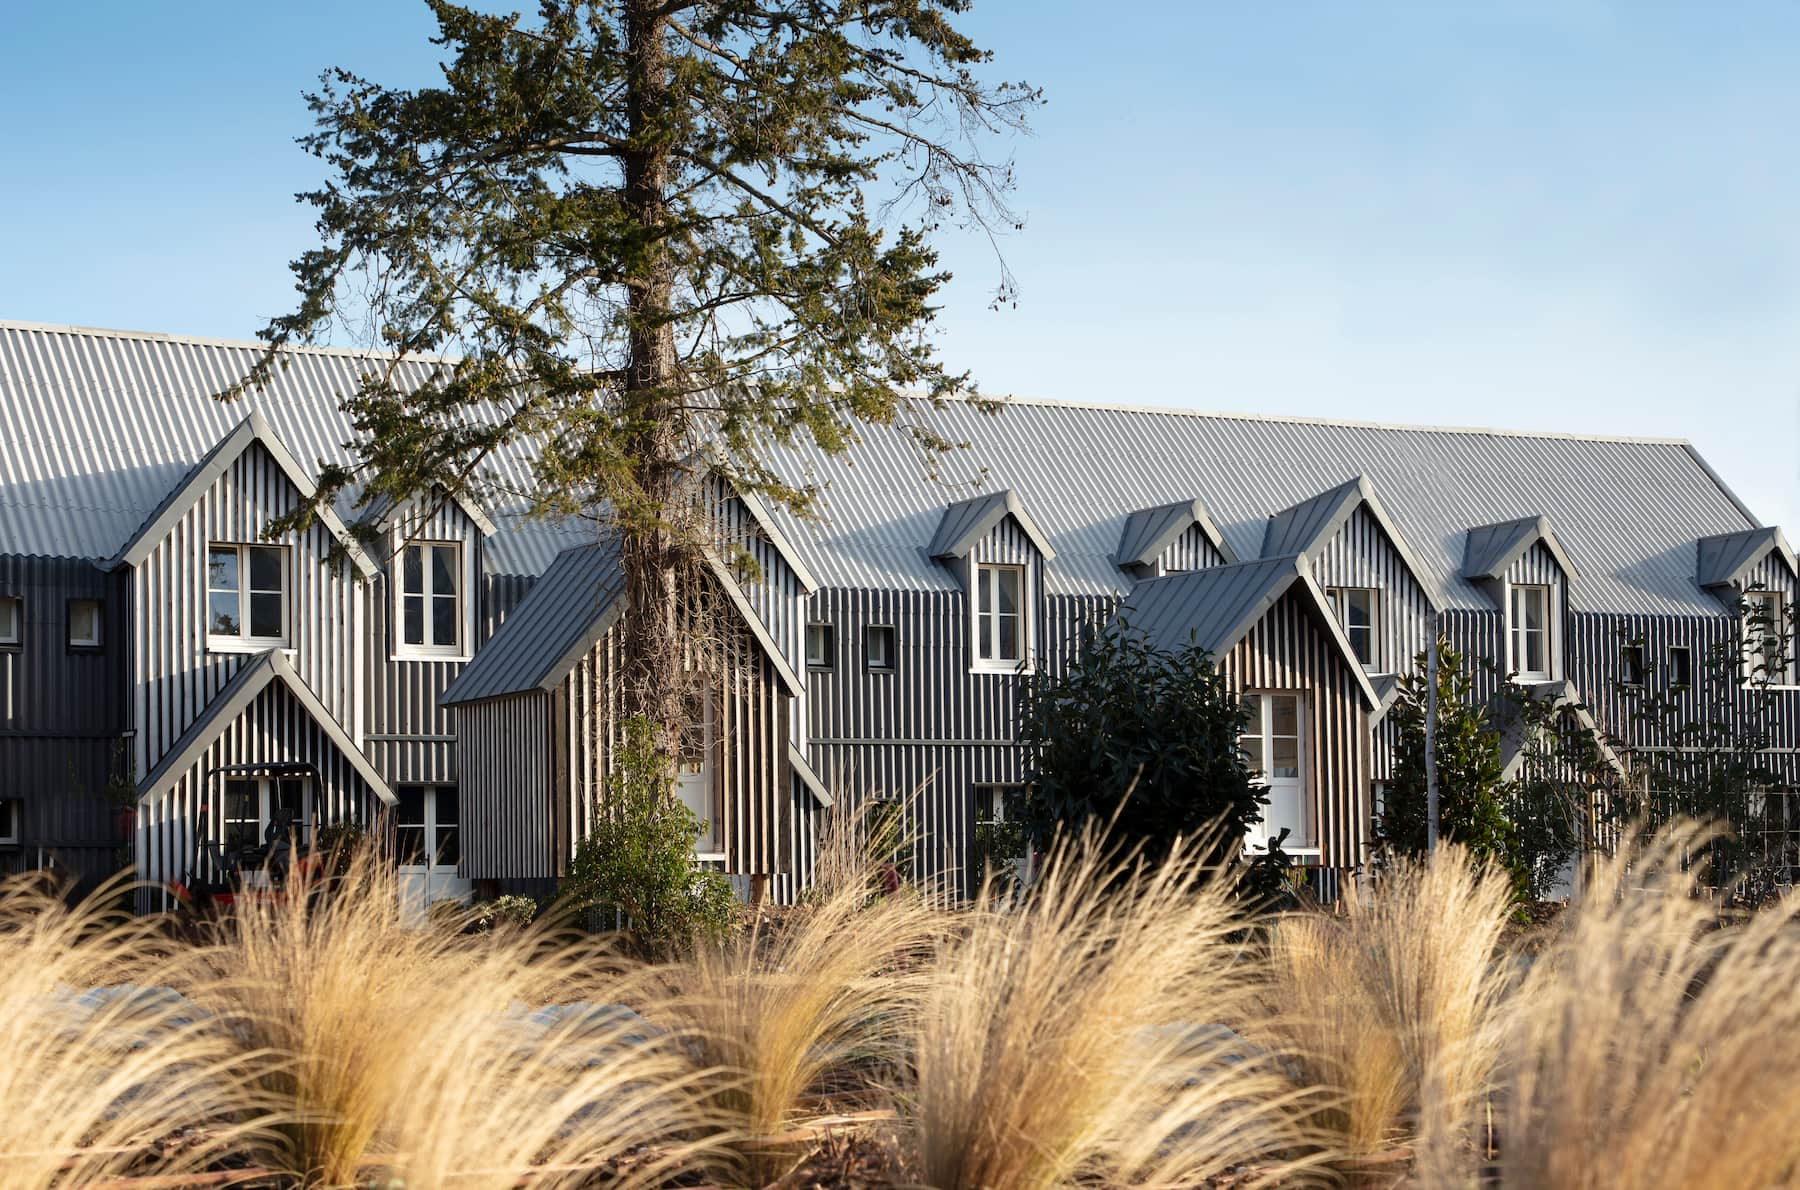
x: 638, y: 863
x: 1472, y: 799
x: 1141, y: 737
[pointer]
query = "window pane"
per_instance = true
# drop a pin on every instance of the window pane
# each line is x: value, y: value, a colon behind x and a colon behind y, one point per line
x: 1009, y: 638
x: 448, y: 852
x: 265, y: 568
x: 84, y: 622
x: 818, y: 645
x: 412, y: 569
x: 1284, y: 715
x: 443, y: 620
x: 880, y: 648
x: 414, y: 617
x: 1534, y: 651
x: 409, y: 845
x: 222, y: 568
x: 1008, y: 591
x: 9, y: 620
x: 265, y: 616
x: 411, y: 811
x: 222, y: 613
x: 443, y: 570
x: 1252, y: 746
x: 1284, y: 758
x: 446, y: 805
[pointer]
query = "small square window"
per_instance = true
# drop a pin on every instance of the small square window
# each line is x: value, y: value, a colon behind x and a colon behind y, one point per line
x: 878, y: 647
x: 84, y: 623
x: 819, y: 642
x: 1631, y: 665
x: 9, y: 821
x: 12, y: 620
x: 1681, y: 667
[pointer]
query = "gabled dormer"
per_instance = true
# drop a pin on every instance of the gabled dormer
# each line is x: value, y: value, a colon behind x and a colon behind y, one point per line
x: 1753, y: 574
x: 998, y: 552
x: 770, y: 572
x: 1526, y: 572
x: 432, y: 545
x: 210, y: 588
x: 1370, y: 576
x: 1171, y: 539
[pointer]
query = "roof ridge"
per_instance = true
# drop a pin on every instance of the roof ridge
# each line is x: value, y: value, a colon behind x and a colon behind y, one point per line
x: 59, y: 328
x: 1350, y: 423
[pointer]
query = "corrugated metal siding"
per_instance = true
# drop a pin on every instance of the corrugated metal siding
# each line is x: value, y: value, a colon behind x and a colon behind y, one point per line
x: 175, y: 674
x: 1193, y: 550
x: 274, y: 730
x: 1360, y: 555
x: 1287, y: 651
x: 504, y: 786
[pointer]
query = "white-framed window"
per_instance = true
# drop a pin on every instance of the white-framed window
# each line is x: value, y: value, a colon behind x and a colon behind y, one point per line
x: 252, y: 803
x: 12, y: 621
x: 1531, y: 643
x: 1355, y: 609
x: 1631, y: 665
x: 430, y: 595
x: 246, y: 595
x: 1765, y: 630
x: 695, y: 782
x: 1274, y: 747
x: 1001, y: 624
x: 427, y: 827
x: 85, y: 616
x: 878, y: 648
x: 1681, y: 667
x: 820, y: 642
x: 11, y: 812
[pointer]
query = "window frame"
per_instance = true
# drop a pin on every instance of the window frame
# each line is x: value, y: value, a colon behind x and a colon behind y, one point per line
x: 1518, y: 636
x: 266, y: 790
x: 986, y: 622
x: 1262, y: 727
x: 1755, y: 653
x: 870, y: 633
x: 12, y: 821
x: 244, y: 641
x: 428, y: 595
x: 1339, y: 599
x: 93, y: 644
x: 826, y: 659
x: 1684, y: 679
x: 17, y: 638
x: 432, y: 826
x: 1634, y: 666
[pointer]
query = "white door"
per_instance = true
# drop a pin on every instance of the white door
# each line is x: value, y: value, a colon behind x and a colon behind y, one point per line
x: 694, y: 776
x: 1275, y: 745
x: 428, y: 843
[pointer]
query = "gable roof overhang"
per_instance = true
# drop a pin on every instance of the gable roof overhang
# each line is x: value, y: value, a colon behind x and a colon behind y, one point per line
x: 233, y: 699
x: 1308, y: 527
x: 1723, y: 561
x: 1217, y: 607
x: 253, y: 429
x: 803, y: 769
x: 759, y: 512
x: 546, y: 637
x: 1150, y: 531
x: 1560, y: 694
x: 968, y: 521
x: 1489, y: 550
x: 387, y: 514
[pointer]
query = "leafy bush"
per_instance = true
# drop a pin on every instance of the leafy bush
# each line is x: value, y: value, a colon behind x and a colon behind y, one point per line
x: 638, y: 864
x: 1143, y: 738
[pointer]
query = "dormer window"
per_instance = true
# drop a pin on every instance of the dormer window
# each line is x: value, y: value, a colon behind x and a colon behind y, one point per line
x: 1530, y: 643
x: 246, y: 596
x: 1355, y: 611
x: 1000, y: 617
x: 1764, y: 629
x: 431, y: 599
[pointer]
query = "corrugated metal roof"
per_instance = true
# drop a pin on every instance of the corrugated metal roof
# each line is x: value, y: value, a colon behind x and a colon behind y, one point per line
x: 96, y: 427
x: 1722, y: 560
x: 564, y: 615
x: 1150, y: 531
x: 1490, y: 549
x: 967, y: 521
x: 1627, y: 511
x: 1211, y: 608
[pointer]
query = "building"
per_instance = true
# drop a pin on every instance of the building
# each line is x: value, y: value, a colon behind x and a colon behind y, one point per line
x: 168, y: 676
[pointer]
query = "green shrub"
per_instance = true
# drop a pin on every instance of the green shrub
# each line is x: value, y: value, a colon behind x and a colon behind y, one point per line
x: 637, y: 866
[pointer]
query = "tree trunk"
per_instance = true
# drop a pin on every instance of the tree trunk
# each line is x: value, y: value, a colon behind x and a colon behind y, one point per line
x: 654, y: 549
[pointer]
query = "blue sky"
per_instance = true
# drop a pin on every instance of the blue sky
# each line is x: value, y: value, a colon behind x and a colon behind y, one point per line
x: 1564, y: 216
